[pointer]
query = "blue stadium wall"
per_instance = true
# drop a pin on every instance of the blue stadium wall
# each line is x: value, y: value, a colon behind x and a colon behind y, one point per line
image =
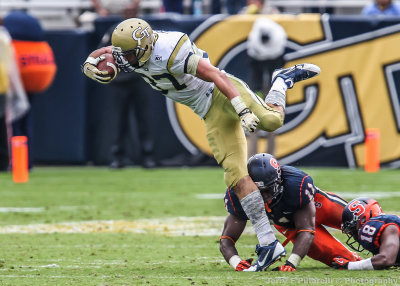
x: 326, y: 116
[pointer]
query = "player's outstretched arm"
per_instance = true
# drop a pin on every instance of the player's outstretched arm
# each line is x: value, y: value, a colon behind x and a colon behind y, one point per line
x: 386, y: 257
x: 233, y: 229
x: 389, y: 248
x: 208, y: 72
x: 304, y: 220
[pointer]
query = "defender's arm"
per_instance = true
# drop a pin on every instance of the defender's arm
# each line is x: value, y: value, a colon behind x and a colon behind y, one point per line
x: 304, y: 220
x: 233, y: 229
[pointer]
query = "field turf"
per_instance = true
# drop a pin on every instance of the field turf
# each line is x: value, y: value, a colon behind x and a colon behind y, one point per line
x: 96, y: 226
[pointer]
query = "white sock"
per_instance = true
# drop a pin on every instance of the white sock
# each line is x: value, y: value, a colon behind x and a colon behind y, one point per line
x: 253, y: 206
x: 365, y: 264
x: 279, y: 85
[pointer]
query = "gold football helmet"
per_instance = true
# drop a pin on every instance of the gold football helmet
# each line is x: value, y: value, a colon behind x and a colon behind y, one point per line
x: 132, y: 42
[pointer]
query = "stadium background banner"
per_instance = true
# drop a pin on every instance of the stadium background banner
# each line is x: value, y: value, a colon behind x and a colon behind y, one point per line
x: 326, y: 117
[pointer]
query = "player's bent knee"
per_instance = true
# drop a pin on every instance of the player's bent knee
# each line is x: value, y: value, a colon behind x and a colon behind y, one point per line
x: 270, y: 122
x: 234, y: 173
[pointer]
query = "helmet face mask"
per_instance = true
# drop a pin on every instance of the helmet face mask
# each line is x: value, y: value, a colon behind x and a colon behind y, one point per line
x: 350, y: 229
x: 265, y: 171
x: 272, y: 194
x: 355, y: 215
x: 133, y: 42
x: 127, y: 62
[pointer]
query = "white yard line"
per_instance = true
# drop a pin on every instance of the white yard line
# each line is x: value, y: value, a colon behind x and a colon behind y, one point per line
x: 177, y: 226
x: 377, y: 194
x: 21, y: 210
x: 40, y: 209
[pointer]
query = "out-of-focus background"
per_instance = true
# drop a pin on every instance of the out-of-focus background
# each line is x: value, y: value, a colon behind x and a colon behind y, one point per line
x: 76, y: 222
x: 327, y: 117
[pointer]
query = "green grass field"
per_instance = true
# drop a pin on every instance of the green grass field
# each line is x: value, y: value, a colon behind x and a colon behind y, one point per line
x: 96, y: 226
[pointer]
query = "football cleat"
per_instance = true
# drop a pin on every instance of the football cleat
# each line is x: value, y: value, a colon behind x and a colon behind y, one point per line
x: 267, y: 255
x: 296, y: 73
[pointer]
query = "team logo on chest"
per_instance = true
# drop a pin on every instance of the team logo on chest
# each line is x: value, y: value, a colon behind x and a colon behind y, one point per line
x: 142, y: 34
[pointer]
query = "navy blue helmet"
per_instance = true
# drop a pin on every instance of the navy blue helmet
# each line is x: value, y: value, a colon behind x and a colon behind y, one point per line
x: 265, y: 172
x: 355, y: 214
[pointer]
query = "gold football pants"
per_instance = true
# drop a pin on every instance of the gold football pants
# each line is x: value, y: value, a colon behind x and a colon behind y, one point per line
x: 225, y: 134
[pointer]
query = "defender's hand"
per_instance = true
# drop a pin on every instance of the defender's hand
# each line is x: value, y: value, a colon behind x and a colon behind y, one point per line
x: 244, y: 264
x: 90, y: 70
x: 248, y: 119
x: 340, y: 263
x: 287, y: 267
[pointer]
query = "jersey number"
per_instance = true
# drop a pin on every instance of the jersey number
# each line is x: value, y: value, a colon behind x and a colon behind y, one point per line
x: 368, y: 231
x: 170, y: 77
x: 310, y: 192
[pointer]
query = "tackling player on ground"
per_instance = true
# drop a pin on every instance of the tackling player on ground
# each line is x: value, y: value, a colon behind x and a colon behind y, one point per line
x: 171, y: 63
x: 299, y: 210
x: 368, y: 228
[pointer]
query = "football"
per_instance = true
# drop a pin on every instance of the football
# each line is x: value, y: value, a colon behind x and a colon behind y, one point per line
x: 108, y: 64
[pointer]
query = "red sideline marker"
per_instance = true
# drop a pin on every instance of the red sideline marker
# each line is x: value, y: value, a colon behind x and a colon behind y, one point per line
x: 19, y: 153
x: 372, y: 150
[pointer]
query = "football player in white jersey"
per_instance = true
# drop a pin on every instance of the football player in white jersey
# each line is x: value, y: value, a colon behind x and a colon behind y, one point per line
x: 171, y: 63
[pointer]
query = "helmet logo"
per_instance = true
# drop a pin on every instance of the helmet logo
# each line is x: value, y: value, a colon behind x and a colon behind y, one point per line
x: 274, y: 163
x: 357, y: 208
x: 142, y: 34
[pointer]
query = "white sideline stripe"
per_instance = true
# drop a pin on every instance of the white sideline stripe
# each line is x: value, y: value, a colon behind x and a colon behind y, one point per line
x: 177, y: 226
x: 21, y: 210
x: 40, y: 209
x: 375, y: 195
x: 174, y: 277
x: 41, y: 266
x: 53, y: 276
x: 346, y: 194
x: 210, y: 196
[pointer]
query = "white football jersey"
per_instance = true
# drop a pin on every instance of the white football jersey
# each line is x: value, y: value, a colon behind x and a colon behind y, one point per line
x: 170, y: 70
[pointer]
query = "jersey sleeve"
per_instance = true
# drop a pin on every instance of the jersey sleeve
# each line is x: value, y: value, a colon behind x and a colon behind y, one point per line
x: 185, y: 57
x: 307, y: 191
x: 233, y: 206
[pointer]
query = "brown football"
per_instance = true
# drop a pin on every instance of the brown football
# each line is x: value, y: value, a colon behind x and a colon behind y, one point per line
x: 108, y: 64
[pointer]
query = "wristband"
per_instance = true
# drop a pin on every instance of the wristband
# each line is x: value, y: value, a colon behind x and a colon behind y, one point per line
x: 227, y: 237
x: 238, y: 104
x: 294, y: 259
x: 365, y: 264
x: 92, y: 61
x: 234, y: 261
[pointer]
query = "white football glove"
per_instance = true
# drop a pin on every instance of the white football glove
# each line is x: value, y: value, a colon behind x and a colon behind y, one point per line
x: 91, y: 71
x: 248, y: 119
